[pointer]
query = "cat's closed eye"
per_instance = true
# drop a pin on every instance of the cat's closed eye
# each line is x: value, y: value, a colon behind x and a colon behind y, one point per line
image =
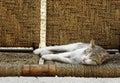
x: 87, y: 51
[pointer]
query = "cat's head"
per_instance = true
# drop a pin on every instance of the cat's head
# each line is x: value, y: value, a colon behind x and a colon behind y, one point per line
x: 94, y: 55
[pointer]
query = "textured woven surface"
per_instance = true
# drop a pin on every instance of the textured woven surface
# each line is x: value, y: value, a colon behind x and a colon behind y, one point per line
x: 19, y: 22
x: 71, y: 21
x: 110, y: 68
x: 7, y: 58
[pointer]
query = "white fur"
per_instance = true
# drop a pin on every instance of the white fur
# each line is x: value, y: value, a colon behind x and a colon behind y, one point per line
x: 73, y: 53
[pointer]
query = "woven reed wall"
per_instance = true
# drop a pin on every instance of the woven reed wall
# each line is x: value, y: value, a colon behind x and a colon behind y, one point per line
x: 19, y: 23
x: 71, y: 21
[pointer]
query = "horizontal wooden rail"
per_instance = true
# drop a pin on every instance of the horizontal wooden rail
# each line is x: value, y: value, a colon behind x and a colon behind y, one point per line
x: 27, y: 70
x: 16, y: 49
x: 60, y: 70
x: 30, y: 50
x: 38, y: 70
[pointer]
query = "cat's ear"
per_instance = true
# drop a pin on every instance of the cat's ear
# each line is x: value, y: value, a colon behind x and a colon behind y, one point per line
x: 92, y: 43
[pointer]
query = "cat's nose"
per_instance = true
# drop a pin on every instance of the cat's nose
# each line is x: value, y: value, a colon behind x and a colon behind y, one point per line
x: 84, y: 60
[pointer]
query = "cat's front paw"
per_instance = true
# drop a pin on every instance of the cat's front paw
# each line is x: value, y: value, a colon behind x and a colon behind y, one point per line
x: 47, y: 57
x: 42, y: 51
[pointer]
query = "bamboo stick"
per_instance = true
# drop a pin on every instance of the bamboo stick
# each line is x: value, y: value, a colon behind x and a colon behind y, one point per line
x: 43, y: 24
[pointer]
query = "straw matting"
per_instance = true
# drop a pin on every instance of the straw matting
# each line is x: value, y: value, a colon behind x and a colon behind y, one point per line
x: 71, y: 21
x: 19, y: 23
x: 111, y: 68
x: 9, y: 58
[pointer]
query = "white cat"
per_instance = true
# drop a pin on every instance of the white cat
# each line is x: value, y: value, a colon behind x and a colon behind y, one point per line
x: 76, y: 53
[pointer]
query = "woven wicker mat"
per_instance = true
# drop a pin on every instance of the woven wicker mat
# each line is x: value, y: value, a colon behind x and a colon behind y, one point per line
x: 71, y: 21
x: 18, y: 58
x: 19, y: 23
x: 111, y: 68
